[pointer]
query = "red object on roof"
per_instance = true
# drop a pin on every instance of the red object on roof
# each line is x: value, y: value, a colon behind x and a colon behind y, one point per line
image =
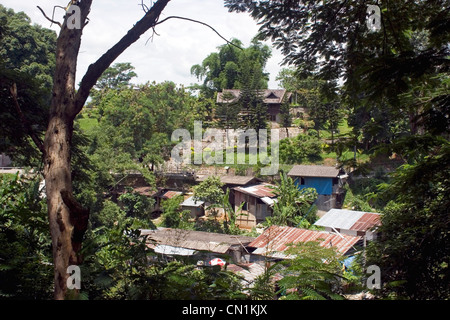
x: 277, y: 239
x: 217, y: 262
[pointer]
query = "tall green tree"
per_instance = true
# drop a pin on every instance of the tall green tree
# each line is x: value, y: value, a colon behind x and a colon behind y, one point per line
x: 116, y: 77
x: 67, y: 218
x: 319, y: 97
x: 136, y: 124
x: 251, y: 100
x: 27, y: 62
x: 223, y: 69
x: 27, y: 48
x: 209, y: 190
x: 413, y: 251
x: 331, y: 40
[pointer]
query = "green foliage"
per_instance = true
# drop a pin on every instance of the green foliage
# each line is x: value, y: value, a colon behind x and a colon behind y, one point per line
x: 251, y: 101
x: 362, y: 194
x: 314, y: 273
x: 134, y: 123
x: 300, y: 149
x: 33, y: 102
x: 119, y: 265
x: 26, y: 48
x: 209, y: 190
x: 27, y: 59
x: 224, y: 69
x: 173, y: 216
x: 109, y: 215
x: 413, y: 250
x: 138, y: 206
x: 285, y: 114
x: 395, y: 81
x: 113, y: 253
x: 25, y: 255
x: 116, y: 77
x: 319, y: 97
x: 293, y: 205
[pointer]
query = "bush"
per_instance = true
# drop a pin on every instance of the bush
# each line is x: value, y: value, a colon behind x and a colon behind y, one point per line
x: 300, y: 148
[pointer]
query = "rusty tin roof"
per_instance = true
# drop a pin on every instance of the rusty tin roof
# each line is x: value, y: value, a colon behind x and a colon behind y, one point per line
x: 258, y: 190
x: 276, y: 239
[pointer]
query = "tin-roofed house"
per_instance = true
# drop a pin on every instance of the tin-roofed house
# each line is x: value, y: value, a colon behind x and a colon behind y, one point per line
x: 275, y: 240
x: 230, y: 182
x: 197, y: 244
x: 196, y: 207
x: 328, y: 182
x: 257, y: 202
x: 349, y: 222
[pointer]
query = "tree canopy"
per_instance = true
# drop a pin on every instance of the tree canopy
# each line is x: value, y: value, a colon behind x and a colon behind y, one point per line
x: 27, y: 62
x: 224, y: 69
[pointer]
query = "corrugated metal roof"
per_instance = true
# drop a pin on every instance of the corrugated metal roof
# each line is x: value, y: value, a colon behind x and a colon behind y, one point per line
x: 171, y: 194
x: 145, y: 191
x: 249, y: 271
x: 236, y: 180
x: 258, y: 190
x: 196, y: 240
x: 269, y: 201
x: 190, y: 202
x: 349, y: 220
x: 274, y: 240
x: 313, y: 171
x: 170, y: 250
x: 367, y: 222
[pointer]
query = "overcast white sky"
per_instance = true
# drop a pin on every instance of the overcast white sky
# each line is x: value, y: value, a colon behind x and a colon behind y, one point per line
x: 170, y: 55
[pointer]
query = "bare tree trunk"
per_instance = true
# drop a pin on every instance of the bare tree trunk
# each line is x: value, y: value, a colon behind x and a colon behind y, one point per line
x: 68, y: 220
x: 57, y: 155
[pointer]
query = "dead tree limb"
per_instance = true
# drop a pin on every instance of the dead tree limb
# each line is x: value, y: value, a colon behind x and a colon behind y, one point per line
x: 96, y: 69
x: 202, y: 23
x: 51, y: 20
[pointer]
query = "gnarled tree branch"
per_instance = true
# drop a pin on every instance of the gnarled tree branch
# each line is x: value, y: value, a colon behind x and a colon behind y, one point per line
x: 51, y: 20
x: 202, y: 23
x: 96, y: 69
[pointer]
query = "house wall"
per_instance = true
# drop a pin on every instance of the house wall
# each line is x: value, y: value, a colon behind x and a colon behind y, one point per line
x: 326, y: 202
x: 273, y: 110
x: 256, y: 211
x: 195, y: 211
x: 323, y: 186
x: 370, y: 235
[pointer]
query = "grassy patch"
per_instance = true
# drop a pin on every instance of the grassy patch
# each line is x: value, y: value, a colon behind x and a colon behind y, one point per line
x: 87, y: 124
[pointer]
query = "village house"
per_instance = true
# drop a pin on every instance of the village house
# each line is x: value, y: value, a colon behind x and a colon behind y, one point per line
x: 273, y: 98
x: 195, y: 207
x: 257, y: 201
x: 275, y: 240
x: 199, y: 245
x: 328, y: 182
x: 230, y: 182
x: 349, y: 222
